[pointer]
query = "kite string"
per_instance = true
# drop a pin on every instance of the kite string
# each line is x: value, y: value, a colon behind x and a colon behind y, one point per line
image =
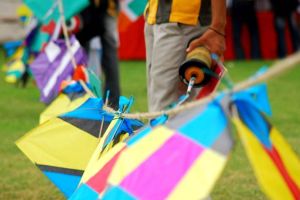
x: 68, y: 44
x: 65, y: 32
x: 275, y: 70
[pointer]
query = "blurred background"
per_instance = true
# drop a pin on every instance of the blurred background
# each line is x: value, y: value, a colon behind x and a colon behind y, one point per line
x: 270, y: 27
x: 257, y: 34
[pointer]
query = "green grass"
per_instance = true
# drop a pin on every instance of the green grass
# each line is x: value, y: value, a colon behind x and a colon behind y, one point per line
x: 20, y: 109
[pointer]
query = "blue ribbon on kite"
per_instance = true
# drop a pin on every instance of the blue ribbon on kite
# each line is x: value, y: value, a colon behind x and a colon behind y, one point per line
x: 250, y: 104
x: 256, y: 96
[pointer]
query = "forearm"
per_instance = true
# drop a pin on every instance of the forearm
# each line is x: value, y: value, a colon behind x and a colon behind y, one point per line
x: 214, y: 38
x: 218, y: 15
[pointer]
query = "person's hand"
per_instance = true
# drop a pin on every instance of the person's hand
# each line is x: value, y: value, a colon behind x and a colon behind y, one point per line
x: 212, y: 40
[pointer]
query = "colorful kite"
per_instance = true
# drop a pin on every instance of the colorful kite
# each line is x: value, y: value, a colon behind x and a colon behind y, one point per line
x: 69, y: 99
x: 16, y: 66
x: 54, y: 65
x: 88, y: 76
x: 73, y: 94
x: 11, y: 47
x: 276, y: 166
x: 62, y: 146
x: 47, y: 10
x: 181, y: 159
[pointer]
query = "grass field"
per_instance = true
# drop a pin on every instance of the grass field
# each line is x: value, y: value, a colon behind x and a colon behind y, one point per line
x: 20, y: 109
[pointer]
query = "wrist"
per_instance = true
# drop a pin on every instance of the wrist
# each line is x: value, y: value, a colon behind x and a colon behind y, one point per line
x: 219, y: 26
x: 217, y: 31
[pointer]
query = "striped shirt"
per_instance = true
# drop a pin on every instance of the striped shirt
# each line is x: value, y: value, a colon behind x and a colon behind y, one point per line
x: 188, y: 12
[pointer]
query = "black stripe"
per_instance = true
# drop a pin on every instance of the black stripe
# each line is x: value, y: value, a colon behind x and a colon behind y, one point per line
x: 90, y: 126
x: 60, y: 170
x: 163, y: 11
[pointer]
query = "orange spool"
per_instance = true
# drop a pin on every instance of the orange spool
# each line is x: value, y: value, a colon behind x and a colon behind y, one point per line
x: 195, y: 65
x: 194, y: 71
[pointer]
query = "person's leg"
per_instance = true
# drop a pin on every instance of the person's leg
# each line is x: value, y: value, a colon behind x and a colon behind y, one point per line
x: 149, y: 38
x: 110, y: 65
x: 237, y: 25
x: 279, y: 27
x: 167, y: 54
x: 294, y: 32
x: 91, y: 26
x: 254, y: 33
x: 95, y: 55
x: 168, y: 43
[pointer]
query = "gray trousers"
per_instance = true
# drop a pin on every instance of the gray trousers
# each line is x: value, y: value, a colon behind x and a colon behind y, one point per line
x: 166, y: 50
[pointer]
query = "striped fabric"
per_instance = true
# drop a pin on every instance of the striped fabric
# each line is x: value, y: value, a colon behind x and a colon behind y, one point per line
x: 170, y: 161
x: 179, y: 11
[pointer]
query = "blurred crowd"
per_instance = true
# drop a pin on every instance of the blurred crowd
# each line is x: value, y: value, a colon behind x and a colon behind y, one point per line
x: 286, y: 16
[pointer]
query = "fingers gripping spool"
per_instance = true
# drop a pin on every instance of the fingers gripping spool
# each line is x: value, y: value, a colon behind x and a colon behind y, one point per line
x: 197, y: 64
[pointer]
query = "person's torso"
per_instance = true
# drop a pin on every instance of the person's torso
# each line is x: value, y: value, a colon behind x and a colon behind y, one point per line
x: 188, y: 12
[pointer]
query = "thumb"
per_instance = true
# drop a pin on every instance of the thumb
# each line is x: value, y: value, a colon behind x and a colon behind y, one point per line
x: 194, y: 44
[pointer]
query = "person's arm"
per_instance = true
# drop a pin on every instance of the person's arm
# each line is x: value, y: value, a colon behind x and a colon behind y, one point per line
x: 214, y: 37
x: 218, y: 15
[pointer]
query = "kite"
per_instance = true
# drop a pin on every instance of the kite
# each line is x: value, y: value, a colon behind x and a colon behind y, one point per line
x: 73, y: 94
x: 16, y: 66
x: 62, y: 146
x: 47, y: 10
x: 11, y: 47
x: 181, y: 159
x: 54, y: 65
x: 69, y: 99
x: 275, y: 164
